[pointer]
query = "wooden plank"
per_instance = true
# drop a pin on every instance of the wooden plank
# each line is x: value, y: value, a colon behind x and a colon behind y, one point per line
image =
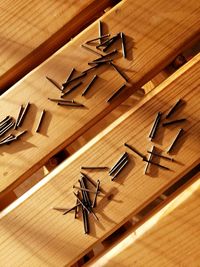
x: 33, y: 30
x: 32, y: 232
x: 61, y: 126
x: 169, y: 238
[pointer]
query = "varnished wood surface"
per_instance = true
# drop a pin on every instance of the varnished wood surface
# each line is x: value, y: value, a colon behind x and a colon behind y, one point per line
x: 30, y: 31
x: 158, y: 33
x: 32, y: 233
x: 170, y: 238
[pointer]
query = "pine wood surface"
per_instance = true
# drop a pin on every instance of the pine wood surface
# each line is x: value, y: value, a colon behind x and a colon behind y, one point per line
x: 32, y: 233
x: 158, y: 33
x: 169, y: 238
x: 32, y: 30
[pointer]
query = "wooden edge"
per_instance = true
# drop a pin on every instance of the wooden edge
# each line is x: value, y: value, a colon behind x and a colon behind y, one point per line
x: 148, y: 221
x: 55, y: 42
x: 65, y: 163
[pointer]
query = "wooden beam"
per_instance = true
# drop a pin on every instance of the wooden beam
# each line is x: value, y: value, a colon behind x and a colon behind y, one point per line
x: 157, y: 31
x: 33, y: 30
x: 32, y: 232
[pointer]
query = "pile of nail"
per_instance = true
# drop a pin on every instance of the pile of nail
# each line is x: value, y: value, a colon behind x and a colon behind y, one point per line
x: 86, y: 200
x: 7, y: 124
x: 103, y: 43
x: 152, y: 135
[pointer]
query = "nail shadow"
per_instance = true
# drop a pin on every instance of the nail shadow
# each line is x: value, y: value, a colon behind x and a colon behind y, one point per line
x: 180, y: 142
x: 45, y: 123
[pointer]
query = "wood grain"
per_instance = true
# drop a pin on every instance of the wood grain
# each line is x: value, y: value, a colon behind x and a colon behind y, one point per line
x: 156, y: 30
x: 169, y: 238
x: 31, y: 31
x: 33, y: 233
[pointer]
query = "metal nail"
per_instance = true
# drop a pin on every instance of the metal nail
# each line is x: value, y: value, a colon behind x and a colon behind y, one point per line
x: 75, y: 105
x: 120, y: 169
x: 173, y: 122
x: 91, y: 50
x: 135, y: 151
x: 7, y: 128
x: 149, y: 160
x: 24, y: 112
x: 61, y: 100
x: 117, y: 93
x: 96, y: 193
x: 70, y: 75
x: 119, y: 71
x: 174, y: 108
x: 160, y: 156
x: 72, y: 80
x: 56, y: 84
x: 157, y: 164
x: 94, y: 168
x: 71, y: 90
x: 125, y: 155
x: 107, y: 55
x: 18, y: 116
x: 155, y: 125
x: 123, y: 44
x: 98, y: 38
x: 179, y: 134
x: 89, y: 85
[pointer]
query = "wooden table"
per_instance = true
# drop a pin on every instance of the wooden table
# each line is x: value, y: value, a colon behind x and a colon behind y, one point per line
x: 153, y: 39
x: 33, y: 233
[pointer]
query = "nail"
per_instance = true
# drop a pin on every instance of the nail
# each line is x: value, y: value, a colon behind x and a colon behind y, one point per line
x: 76, y: 208
x: 123, y: 44
x: 72, y: 80
x: 96, y: 193
x: 89, y: 179
x: 73, y: 208
x: 120, y: 73
x: 70, y: 75
x: 75, y: 105
x: 118, y: 164
x: 94, y: 168
x: 149, y: 160
x: 98, y: 38
x: 100, y: 31
x: 19, y: 115
x: 89, y: 69
x: 125, y: 155
x: 89, y: 85
x: 100, y: 62
x: 135, y: 151
x: 40, y: 121
x: 179, y: 134
x: 61, y: 100
x: 85, y: 221
x: 10, y: 136
x: 174, y: 108
x: 91, y: 50
x: 56, y: 84
x: 173, y: 122
x: 20, y: 134
x: 157, y: 164
x: 24, y: 112
x: 160, y: 156
x: 71, y: 90
x: 7, y: 128
x: 84, y: 189
x: 120, y: 169
x: 4, y: 120
x: 155, y: 125
x: 86, y: 195
x: 107, y: 55
x: 83, y: 205
x: 116, y: 93
x: 5, y: 124
x: 112, y: 40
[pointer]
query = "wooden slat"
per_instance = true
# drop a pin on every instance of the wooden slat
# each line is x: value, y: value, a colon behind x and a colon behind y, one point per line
x: 33, y: 233
x: 169, y: 238
x: 30, y: 31
x: 157, y: 31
